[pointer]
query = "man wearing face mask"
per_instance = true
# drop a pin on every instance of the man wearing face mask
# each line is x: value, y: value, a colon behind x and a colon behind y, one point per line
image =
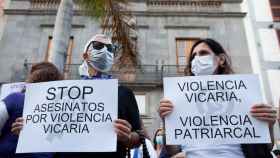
x: 98, y: 60
x: 209, y: 58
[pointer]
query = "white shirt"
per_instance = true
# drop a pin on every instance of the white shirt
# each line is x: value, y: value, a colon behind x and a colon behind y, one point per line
x: 213, y: 151
x: 4, y: 116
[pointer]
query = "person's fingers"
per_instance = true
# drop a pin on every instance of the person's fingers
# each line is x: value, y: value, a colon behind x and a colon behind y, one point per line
x: 123, y: 122
x: 17, y: 124
x: 263, y: 110
x: 164, y: 114
x: 16, y: 130
x: 122, y: 128
x: 261, y: 106
x: 266, y: 119
x: 165, y: 100
x: 265, y: 115
x: 165, y: 105
x: 164, y: 109
x: 121, y: 134
x: 19, y: 119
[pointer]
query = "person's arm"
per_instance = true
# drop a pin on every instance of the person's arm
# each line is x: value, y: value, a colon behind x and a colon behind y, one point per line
x: 267, y: 114
x: 4, y: 115
x: 133, y: 119
x: 126, y: 127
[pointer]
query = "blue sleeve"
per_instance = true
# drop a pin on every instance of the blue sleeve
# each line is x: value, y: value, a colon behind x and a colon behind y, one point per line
x: 9, y: 102
x: 14, y: 103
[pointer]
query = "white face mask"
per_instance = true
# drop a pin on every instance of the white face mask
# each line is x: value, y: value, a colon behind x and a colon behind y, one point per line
x: 101, y: 60
x: 203, y: 65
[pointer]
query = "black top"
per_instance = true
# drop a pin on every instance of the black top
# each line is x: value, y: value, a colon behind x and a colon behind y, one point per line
x: 127, y: 110
x: 8, y: 141
x: 257, y: 150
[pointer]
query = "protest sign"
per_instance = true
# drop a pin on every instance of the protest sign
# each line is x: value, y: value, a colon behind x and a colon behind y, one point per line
x: 214, y: 110
x: 9, y: 88
x: 70, y: 116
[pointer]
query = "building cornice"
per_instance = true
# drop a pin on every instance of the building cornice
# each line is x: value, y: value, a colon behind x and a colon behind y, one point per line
x: 52, y: 26
x: 189, y: 13
x: 194, y: 3
x: 136, y: 13
x: 186, y: 27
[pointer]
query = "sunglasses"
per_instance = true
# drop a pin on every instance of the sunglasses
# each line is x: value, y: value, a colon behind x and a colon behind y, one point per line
x: 98, y: 45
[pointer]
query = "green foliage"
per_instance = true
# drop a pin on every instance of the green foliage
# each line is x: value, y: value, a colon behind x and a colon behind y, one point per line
x: 114, y: 20
x: 93, y: 8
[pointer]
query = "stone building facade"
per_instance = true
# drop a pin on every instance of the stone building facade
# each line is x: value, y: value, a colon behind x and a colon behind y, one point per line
x: 263, y: 34
x: 165, y: 33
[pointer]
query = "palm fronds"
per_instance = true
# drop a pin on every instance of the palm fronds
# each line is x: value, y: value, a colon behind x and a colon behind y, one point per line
x: 116, y: 21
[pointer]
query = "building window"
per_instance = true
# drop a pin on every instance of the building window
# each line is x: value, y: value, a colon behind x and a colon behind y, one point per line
x: 275, y: 8
x: 183, y: 50
x: 68, y: 55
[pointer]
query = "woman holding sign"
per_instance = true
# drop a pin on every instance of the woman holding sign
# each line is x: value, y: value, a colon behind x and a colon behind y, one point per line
x: 208, y: 57
x: 11, y: 108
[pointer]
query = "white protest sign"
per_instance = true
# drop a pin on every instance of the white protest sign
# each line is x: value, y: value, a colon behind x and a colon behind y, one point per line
x: 214, y: 110
x: 9, y: 88
x: 70, y: 116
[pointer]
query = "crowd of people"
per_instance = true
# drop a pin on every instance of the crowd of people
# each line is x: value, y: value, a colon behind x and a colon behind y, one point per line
x: 208, y: 57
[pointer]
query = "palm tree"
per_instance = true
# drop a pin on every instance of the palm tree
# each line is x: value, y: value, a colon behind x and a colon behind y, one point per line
x: 114, y: 21
x: 117, y: 21
x: 61, y: 34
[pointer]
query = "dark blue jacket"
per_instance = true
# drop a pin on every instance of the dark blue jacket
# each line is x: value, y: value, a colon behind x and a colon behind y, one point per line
x: 8, y: 141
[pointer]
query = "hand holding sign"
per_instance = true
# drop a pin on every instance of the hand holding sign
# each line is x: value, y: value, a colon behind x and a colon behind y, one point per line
x: 165, y: 107
x: 123, y: 130
x: 17, y: 125
x: 265, y: 113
